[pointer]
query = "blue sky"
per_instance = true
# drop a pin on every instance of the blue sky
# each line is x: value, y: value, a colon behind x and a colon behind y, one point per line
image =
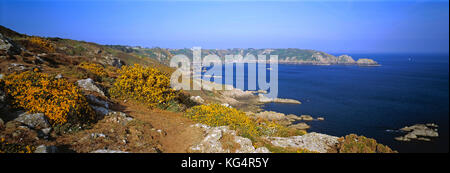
x: 345, y: 26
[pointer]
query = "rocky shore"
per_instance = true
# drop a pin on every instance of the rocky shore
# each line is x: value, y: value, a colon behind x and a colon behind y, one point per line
x: 421, y: 132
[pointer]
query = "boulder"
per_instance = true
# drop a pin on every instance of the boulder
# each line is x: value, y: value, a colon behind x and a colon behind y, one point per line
x: 197, y: 99
x: 94, y: 100
x: 8, y: 47
x: 89, y: 85
x: 59, y: 76
x: 112, y: 61
x: 46, y: 149
x: 211, y: 142
x: 36, y: 120
x: 101, y: 110
x: 311, y: 141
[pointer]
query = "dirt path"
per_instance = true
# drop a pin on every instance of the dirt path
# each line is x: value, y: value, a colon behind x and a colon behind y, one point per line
x: 179, y: 133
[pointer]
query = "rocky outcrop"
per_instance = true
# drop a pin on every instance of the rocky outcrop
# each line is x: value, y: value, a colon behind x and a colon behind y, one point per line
x: 7, y: 47
x: 35, y: 121
x: 108, y: 151
x: 264, y: 99
x: 96, y: 101
x: 300, y: 126
x: 271, y: 115
x: 46, y: 149
x: 421, y: 132
x: 112, y: 61
x: 345, y: 59
x: 212, y: 143
x: 197, y: 99
x: 366, y: 62
x: 306, y: 117
x: 89, y: 85
x: 311, y: 141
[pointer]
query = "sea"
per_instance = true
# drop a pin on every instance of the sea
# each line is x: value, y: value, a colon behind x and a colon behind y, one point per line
x: 373, y: 101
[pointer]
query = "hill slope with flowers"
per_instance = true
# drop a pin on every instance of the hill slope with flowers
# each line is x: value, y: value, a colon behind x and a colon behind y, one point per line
x: 62, y: 95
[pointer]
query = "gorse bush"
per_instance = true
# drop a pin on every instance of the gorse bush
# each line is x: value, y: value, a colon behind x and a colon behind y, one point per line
x: 40, y: 44
x: 144, y: 84
x: 59, y: 100
x: 6, y: 147
x: 360, y: 144
x: 218, y: 115
x: 94, y: 68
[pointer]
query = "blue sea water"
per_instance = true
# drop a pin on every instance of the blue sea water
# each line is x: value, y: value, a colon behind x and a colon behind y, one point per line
x: 370, y: 101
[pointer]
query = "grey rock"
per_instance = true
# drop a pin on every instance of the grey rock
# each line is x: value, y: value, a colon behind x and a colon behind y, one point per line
x: 311, y: 141
x: 197, y: 99
x: 59, y: 76
x: 111, y: 60
x: 101, y: 110
x: 8, y: 47
x: 46, y: 149
x: 46, y: 131
x: 211, y: 142
x: 36, y: 120
x: 18, y: 67
x: 89, y: 85
x: 97, y: 101
x: 97, y: 135
x: 419, y: 132
x: 108, y: 151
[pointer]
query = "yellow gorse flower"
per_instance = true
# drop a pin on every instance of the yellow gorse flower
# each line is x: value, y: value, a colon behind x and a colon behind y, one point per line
x: 6, y: 147
x: 218, y: 115
x: 41, y: 43
x: 94, y: 68
x: 58, y: 99
x: 144, y: 84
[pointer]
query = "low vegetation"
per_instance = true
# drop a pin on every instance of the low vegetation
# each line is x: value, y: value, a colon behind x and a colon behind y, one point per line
x: 59, y: 100
x: 144, y: 84
x: 94, y: 68
x: 360, y: 144
x: 39, y: 44
x: 218, y: 115
x: 6, y: 147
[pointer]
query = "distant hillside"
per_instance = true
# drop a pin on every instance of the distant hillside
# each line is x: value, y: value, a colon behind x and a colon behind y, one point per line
x: 53, y: 52
x: 285, y: 56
